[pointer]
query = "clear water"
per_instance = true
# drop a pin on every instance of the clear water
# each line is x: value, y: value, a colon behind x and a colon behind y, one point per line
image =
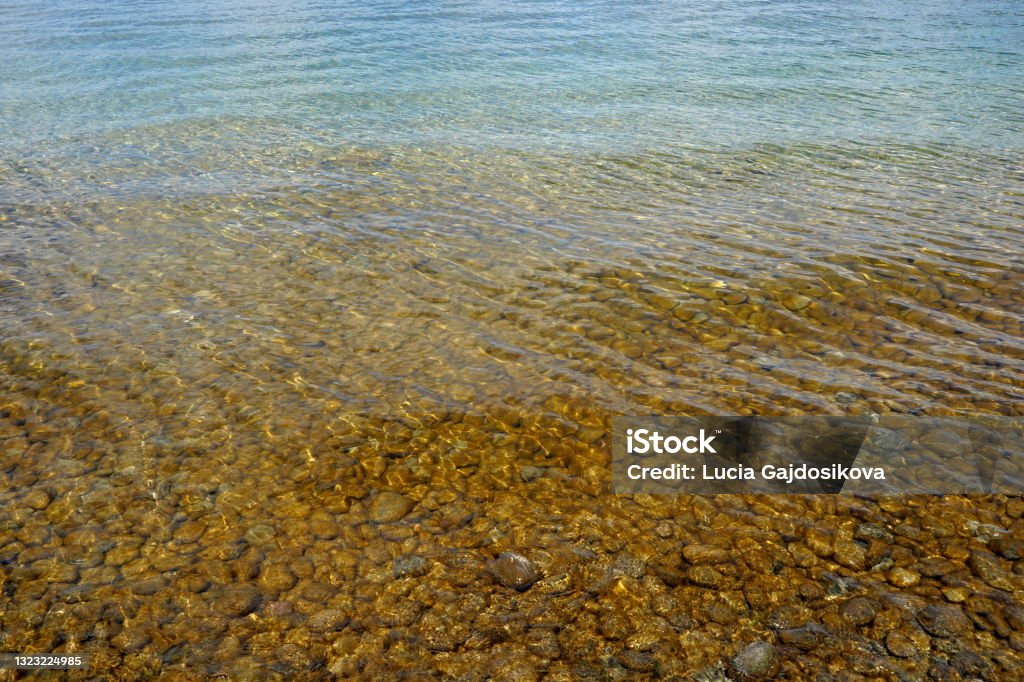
x: 540, y: 165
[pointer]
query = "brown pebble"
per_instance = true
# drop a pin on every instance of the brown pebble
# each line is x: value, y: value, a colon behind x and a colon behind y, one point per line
x: 935, y: 567
x: 970, y: 665
x: 810, y: 591
x: 237, y: 600
x: 514, y: 571
x: 903, y: 577
x: 852, y: 555
x: 900, y: 645
x: 986, y: 566
x: 328, y: 620
x: 279, y: 608
x: 797, y: 302
x: 590, y: 434
x: 859, y: 610
x: 614, y: 625
x: 389, y: 507
x: 1008, y: 548
x: 149, y: 586
x: 705, y: 576
x: 943, y: 620
x: 668, y: 575
x: 189, y: 532
x: 721, y: 613
x: 131, y: 640
x: 1014, y: 615
x: 805, y: 637
x: 638, y: 661
x: 705, y: 554
x: 260, y: 535
x: 297, y: 657
x: 36, y: 499
x: 277, y: 578
x: 872, y: 531
x: 323, y: 525
x: 956, y: 594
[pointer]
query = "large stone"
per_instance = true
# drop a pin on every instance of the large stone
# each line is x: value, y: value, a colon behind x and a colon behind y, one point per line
x: 859, y: 610
x: 237, y: 600
x: 328, y: 620
x: 943, y: 620
x: 389, y: 507
x: 514, y: 571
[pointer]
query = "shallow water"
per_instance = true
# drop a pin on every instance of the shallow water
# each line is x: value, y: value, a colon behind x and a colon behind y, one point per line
x: 261, y: 261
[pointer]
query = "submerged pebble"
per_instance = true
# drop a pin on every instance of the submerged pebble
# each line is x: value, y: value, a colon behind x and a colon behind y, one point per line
x: 409, y: 566
x: 389, y: 507
x: 328, y: 620
x: 859, y: 610
x: 757, y: 661
x: 804, y: 637
x: 514, y: 571
x: 943, y: 620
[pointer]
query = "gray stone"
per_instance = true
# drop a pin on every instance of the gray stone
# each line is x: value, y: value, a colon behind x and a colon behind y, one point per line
x: 756, y: 661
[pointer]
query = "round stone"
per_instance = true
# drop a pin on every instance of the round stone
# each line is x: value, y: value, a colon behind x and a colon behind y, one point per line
x: 389, y: 507
x: 756, y: 661
x: 900, y: 645
x: 904, y: 577
x: 237, y: 600
x: 37, y: 499
x: 859, y: 610
x: 514, y: 571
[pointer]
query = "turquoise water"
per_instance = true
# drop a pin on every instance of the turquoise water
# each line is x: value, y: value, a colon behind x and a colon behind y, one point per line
x: 569, y: 76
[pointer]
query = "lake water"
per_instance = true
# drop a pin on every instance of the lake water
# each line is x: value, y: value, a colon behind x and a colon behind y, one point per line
x: 260, y: 260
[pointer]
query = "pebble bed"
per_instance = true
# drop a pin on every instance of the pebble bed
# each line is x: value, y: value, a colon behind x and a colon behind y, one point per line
x: 471, y: 564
